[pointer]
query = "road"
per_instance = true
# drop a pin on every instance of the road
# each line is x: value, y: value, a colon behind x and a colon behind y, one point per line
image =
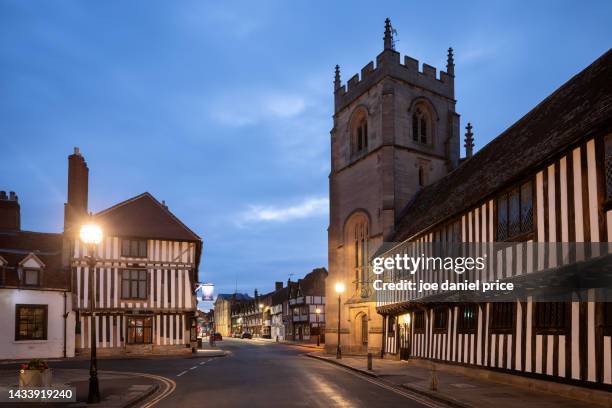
x: 259, y: 373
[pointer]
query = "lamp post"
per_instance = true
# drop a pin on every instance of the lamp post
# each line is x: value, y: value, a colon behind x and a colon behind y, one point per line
x: 318, y: 312
x: 339, y: 291
x: 262, y: 318
x: 91, y: 235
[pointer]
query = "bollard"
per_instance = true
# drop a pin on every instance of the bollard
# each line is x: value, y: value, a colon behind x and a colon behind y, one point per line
x: 369, y: 361
x: 277, y: 338
x: 433, y: 385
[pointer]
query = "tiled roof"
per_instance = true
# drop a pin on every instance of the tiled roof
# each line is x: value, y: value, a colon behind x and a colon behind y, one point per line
x: 144, y: 217
x: 15, y: 246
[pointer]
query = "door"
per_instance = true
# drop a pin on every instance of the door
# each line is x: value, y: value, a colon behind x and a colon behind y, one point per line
x: 404, y: 340
x: 364, y: 330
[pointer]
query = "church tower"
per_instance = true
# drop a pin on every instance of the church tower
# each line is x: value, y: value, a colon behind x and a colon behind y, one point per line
x: 395, y: 131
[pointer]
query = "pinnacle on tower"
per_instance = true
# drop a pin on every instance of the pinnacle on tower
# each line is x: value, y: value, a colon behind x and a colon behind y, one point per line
x: 337, y: 83
x: 469, y: 141
x: 450, y: 62
x: 388, y: 34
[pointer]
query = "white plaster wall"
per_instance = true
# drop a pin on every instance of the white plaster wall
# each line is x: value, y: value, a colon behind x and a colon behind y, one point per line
x: 50, y: 348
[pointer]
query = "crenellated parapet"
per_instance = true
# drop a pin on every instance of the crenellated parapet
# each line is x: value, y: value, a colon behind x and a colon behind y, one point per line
x: 388, y: 64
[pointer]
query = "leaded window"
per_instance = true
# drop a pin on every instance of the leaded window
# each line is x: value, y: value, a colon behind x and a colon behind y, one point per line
x: 139, y: 330
x: 440, y: 318
x: 502, y: 317
x: 419, y: 321
x: 515, y: 212
x: 420, y: 126
x: 31, y: 322
x: 134, y: 284
x: 134, y: 248
x: 467, y: 318
x: 550, y: 316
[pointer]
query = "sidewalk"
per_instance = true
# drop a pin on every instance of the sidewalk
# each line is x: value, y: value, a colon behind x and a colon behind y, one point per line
x: 460, y: 390
x: 118, y: 390
x: 292, y: 343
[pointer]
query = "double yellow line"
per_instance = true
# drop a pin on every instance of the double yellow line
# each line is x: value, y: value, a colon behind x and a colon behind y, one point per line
x: 167, y: 386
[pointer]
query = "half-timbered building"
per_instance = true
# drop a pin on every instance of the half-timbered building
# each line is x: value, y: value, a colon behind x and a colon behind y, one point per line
x: 305, y: 297
x: 145, y: 276
x: 536, y: 199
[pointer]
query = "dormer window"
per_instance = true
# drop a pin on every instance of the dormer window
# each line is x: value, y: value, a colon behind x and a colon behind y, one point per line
x: 31, y: 270
x: 31, y: 277
x: 421, y: 126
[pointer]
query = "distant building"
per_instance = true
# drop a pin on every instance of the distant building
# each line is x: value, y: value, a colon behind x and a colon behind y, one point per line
x: 35, y: 303
x: 279, y: 311
x: 223, y: 311
x: 305, y: 297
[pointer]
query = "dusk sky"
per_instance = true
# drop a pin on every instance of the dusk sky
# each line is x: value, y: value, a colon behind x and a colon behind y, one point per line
x: 224, y: 109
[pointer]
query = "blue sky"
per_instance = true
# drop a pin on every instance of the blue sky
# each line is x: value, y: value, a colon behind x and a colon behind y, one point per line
x: 223, y: 109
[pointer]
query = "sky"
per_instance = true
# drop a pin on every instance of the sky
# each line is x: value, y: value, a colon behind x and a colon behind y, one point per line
x: 223, y: 109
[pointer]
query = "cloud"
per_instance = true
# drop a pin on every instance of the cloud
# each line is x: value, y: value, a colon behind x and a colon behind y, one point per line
x: 310, y: 207
x: 249, y: 108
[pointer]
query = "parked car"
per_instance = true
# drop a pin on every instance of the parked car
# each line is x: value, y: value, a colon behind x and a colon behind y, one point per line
x: 217, y: 336
x: 237, y: 335
x: 246, y: 335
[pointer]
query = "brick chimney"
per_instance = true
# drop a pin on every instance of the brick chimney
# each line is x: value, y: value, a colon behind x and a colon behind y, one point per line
x: 10, y: 212
x: 278, y: 285
x: 78, y: 180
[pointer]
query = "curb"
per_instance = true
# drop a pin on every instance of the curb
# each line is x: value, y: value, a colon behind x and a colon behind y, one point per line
x: 429, y: 394
x: 152, y: 390
x: 336, y: 362
x: 437, y: 397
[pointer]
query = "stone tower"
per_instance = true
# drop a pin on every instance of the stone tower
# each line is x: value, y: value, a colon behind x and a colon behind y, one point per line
x: 395, y: 131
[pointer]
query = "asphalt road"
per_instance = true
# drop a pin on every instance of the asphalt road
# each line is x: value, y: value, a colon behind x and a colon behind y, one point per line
x: 258, y: 374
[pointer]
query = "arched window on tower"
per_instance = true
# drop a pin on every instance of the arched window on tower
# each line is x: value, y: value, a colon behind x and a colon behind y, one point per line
x: 361, y: 253
x: 359, y: 130
x: 421, y: 127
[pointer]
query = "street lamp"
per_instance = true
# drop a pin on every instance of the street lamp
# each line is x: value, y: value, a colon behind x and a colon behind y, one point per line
x: 318, y: 312
x: 339, y: 291
x: 91, y: 235
x: 262, y: 319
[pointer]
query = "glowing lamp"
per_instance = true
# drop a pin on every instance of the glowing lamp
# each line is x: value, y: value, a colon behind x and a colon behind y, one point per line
x: 339, y: 287
x: 91, y: 234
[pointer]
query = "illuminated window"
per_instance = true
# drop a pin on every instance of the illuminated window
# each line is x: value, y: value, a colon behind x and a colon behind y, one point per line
x: 139, y: 330
x: 31, y: 322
